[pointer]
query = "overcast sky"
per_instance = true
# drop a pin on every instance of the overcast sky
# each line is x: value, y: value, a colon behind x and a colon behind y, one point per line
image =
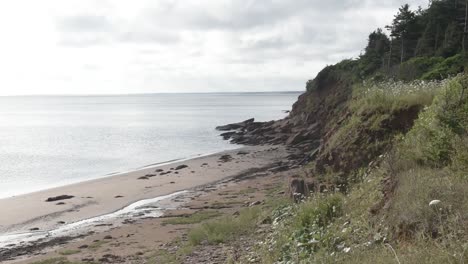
x: 143, y: 46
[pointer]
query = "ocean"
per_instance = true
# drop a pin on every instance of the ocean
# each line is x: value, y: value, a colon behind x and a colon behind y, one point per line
x: 51, y: 141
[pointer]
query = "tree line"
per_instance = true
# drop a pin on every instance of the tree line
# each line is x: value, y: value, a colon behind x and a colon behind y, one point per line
x: 439, y: 31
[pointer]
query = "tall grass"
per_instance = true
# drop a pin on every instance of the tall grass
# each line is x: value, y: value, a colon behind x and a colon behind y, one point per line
x: 386, y: 97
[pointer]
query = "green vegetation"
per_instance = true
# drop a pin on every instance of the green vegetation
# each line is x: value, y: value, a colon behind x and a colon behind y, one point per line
x: 384, y: 215
x: 426, y: 44
x: 162, y: 256
x: 97, y: 244
x: 56, y: 261
x: 195, y: 218
x: 225, y: 228
x: 69, y: 252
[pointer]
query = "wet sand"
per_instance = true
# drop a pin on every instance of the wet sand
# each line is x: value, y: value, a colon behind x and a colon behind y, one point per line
x: 107, y: 195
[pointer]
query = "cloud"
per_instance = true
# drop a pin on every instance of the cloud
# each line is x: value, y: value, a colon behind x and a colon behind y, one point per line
x: 84, y: 24
x: 181, y: 45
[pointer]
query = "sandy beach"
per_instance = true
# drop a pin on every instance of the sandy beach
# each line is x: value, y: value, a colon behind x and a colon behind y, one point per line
x: 31, y: 213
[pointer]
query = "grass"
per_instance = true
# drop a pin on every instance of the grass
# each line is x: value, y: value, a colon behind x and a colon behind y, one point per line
x: 162, y: 256
x: 225, y: 228
x: 387, y: 97
x: 60, y: 260
x: 195, y: 218
x: 225, y: 204
x: 246, y: 191
x: 69, y: 252
x: 97, y: 244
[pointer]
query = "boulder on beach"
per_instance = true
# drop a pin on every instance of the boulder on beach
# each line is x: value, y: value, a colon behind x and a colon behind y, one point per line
x: 225, y: 158
x: 180, y: 167
x: 60, y: 197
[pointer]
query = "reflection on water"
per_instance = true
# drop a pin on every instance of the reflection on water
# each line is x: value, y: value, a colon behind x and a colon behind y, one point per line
x: 52, y: 141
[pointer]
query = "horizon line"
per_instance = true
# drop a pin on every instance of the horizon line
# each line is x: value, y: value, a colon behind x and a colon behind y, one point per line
x: 154, y: 93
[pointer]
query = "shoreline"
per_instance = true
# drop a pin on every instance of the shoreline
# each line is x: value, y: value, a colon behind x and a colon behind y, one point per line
x: 118, y: 173
x: 31, y: 213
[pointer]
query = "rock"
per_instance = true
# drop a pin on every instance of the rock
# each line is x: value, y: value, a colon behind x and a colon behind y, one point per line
x: 61, y: 222
x: 34, y: 229
x: 298, y: 189
x: 128, y: 221
x: 228, y: 135
x: 118, y: 196
x: 254, y: 203
x: 172, y: 182
x: 180, y: 167
x: 434, y: 202
x: 108, y: 237
x: 267, y: 221
x: 143, y: 178
x: 242, y: 152
x: 159, y: 170
x: 235, y: 126
x: 83, y: 246
x: 60, y: 197
x: 60, y: 203
x: 295, y: 139
x: 280, y: 168
x: 225, y: 158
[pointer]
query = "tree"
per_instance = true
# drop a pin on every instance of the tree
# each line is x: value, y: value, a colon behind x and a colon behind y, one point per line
x: 373, y: 57
x: 403, y: 30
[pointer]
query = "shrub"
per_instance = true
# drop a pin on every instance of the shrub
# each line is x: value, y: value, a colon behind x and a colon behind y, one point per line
x: 416, y: 67
x: 444, y: 69
x: 304, y: 229
x: 431, y: 140
x: 434, y: 154
x: 342, y: 71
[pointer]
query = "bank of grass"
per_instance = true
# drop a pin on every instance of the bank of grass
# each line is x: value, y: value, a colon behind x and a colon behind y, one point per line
x: 365, y: 226
x: 391, y: 96
x: 376, y: 113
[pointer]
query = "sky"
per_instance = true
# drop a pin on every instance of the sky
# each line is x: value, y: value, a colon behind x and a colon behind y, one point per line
x: 151, y: 46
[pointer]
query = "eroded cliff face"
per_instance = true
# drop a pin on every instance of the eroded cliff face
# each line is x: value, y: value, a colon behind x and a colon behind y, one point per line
x: 307, y: 126
x: 322, y: 132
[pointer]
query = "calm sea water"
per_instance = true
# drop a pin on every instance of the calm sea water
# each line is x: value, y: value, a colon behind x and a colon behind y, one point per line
x: 49, y: 141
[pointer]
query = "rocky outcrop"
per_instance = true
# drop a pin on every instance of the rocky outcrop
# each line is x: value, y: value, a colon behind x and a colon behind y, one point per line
x: 304, y: 130
x: 234, y: 126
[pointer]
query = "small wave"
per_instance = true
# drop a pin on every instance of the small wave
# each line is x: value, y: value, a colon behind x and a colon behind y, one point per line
x: 143, y: 208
